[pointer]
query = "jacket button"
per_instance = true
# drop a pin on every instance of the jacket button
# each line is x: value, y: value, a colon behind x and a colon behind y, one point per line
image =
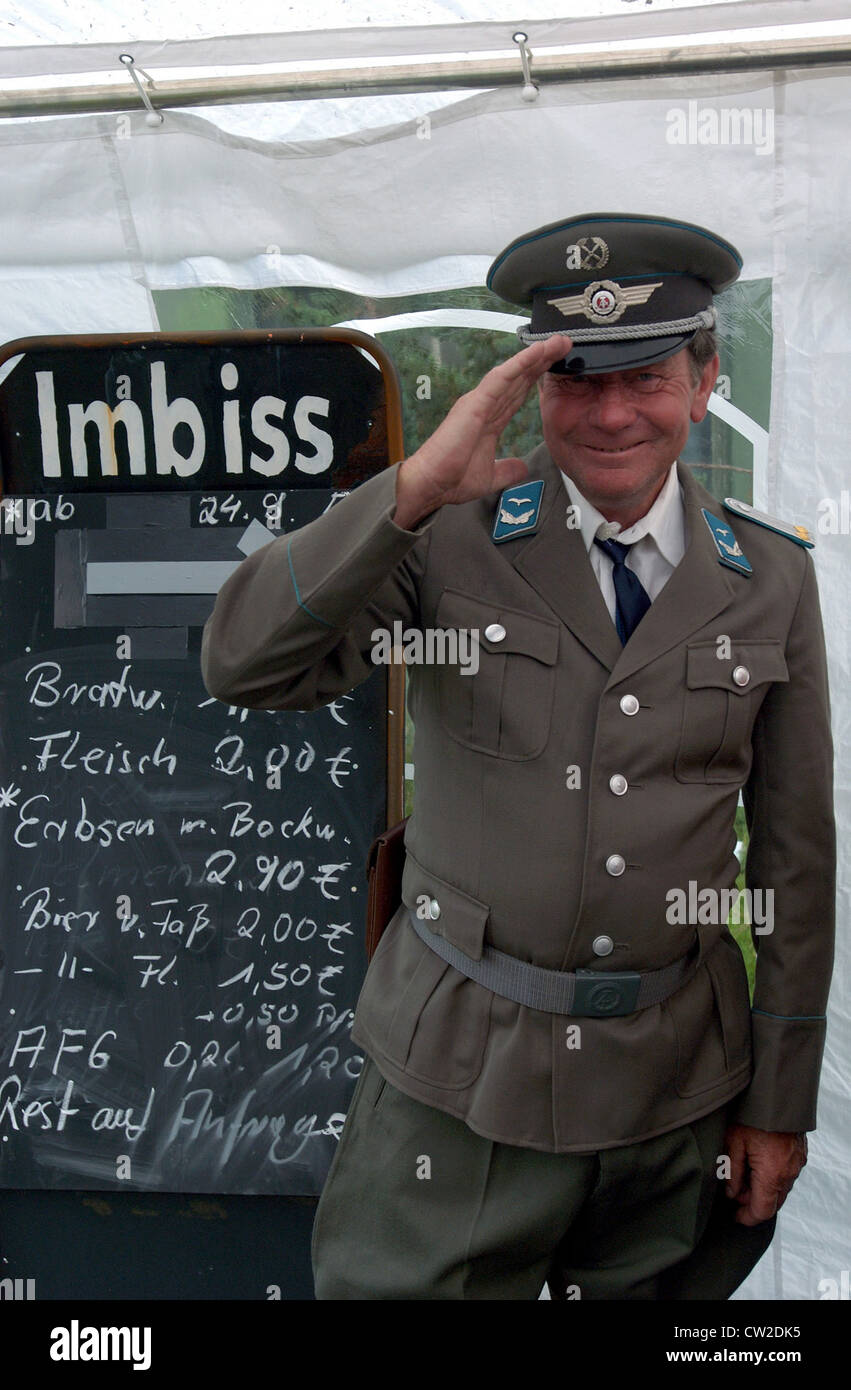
x: 434, y: 909
x: 495, y: 632
x: 602, y: 945
x: 741, y: 675
x: 615, y: 865
x: 618, y: 784
x: 629, y: 704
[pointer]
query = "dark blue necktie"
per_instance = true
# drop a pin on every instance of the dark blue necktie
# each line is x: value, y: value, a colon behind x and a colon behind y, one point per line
x: 632, y: 599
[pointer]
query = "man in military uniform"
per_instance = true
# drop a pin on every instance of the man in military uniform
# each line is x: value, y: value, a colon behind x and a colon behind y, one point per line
x: 564, y: 1077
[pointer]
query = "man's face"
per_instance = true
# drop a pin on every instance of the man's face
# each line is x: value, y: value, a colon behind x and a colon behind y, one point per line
x: 616, y: 434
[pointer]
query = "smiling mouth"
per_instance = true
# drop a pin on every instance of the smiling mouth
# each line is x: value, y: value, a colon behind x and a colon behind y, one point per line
x: 625, y: 450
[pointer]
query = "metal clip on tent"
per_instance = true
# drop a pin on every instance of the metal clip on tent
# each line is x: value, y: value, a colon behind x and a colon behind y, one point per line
x: 153, y: 117
x: 530, y: 90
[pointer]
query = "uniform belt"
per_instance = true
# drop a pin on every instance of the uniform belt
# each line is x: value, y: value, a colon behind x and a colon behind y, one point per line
x: 581, y: 994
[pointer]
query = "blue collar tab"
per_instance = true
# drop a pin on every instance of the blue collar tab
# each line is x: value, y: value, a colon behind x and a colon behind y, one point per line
x: 729, y: 551
x: 517, y: 511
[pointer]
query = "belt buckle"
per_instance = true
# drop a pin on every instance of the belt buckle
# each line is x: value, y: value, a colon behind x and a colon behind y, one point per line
x: 605, y: 993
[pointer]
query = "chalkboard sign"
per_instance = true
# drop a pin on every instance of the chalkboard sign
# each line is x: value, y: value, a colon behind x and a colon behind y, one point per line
x: 182, y: 885
x: 161, y: 413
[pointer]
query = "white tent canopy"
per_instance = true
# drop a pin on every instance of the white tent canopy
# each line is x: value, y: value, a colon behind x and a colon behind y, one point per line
x: 365, y: 194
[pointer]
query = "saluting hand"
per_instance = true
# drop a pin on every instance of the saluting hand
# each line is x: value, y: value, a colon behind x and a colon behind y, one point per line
x: 458, y: 462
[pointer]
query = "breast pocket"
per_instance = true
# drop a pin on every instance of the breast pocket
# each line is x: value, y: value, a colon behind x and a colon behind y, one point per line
x: 503, y: 708
x: 722, y: 699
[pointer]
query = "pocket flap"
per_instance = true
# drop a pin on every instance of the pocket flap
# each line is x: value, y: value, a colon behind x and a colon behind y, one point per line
x: 527, y: 633
x: 754, y: 663
x: 452, y: 914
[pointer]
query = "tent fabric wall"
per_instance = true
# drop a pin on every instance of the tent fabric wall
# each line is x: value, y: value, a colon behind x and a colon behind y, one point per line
x: 383, y: 210
x: 808, y: 468
x: 212, y: 35
x: 98, y: 214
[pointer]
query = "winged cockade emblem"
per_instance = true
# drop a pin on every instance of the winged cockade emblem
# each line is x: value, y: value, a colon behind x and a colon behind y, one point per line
x: 734, y: 549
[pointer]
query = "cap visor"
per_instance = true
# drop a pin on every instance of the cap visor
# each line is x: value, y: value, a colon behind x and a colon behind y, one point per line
x: 586, y: 359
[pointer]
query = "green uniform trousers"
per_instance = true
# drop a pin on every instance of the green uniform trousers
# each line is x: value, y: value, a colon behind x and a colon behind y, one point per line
x: 419, y: 1206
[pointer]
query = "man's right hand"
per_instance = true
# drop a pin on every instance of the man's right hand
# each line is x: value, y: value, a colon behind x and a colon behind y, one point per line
x: 458, y: 462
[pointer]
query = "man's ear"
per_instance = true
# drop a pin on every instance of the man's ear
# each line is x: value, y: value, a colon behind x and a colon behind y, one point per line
x: 708, y: 378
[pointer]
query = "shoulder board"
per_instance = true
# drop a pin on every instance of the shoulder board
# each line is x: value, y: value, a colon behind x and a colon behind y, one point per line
x: 799, y: 534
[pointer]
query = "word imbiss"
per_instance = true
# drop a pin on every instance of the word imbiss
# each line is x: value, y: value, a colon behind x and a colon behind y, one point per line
x: 167, y: 417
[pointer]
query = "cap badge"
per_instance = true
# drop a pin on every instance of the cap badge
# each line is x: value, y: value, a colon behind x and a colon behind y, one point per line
x: 604, y: 301
x: 588, y: 253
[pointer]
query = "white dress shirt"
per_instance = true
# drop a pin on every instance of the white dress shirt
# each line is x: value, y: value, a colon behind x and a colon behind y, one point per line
x: 658, y: 539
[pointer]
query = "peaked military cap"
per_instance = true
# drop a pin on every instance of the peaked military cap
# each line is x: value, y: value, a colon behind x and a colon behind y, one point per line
x: 628, y: 290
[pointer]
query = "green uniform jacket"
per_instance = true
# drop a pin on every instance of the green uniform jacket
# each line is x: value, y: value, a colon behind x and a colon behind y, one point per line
x: 515, y: 852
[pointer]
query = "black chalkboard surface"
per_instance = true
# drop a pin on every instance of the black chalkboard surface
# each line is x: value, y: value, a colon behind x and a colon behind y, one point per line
x: 182, y: 911
x: 181, y: 882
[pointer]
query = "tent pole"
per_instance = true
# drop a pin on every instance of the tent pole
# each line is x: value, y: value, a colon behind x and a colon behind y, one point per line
x: 595, y: 65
